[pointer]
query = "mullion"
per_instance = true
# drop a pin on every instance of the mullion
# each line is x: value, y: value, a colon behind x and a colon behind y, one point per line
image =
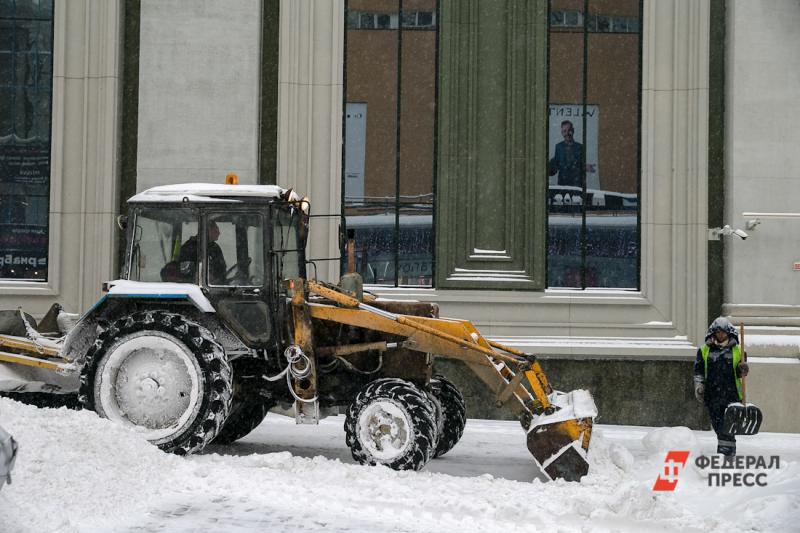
x: 397, y: 146
x: 584, y: 244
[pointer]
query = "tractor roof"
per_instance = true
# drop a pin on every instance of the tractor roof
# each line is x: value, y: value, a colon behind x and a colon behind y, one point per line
x: 211, y: 193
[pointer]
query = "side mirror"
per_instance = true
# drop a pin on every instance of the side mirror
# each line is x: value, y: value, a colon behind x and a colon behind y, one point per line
x: 122, y: 222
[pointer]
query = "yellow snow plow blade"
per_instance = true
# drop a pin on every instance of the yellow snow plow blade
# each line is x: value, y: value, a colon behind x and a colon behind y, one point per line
x: 559, y: 425
x: 560, y: 441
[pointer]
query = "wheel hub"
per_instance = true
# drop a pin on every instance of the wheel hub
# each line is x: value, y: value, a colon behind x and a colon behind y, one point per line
x: 149, y: 381
x: 385, y: 430
x: 149, y: 385
x: 152, y: 386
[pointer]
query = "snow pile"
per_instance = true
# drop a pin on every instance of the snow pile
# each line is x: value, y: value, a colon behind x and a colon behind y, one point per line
x: 77, y: 472
x: 662, y: 440
x: 74, y: 468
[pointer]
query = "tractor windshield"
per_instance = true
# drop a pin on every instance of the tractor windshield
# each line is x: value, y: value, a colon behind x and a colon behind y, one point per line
x: 288, y: 243
x: 158, y: 245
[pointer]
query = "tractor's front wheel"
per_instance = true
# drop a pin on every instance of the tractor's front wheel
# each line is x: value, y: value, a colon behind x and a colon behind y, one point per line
x: 161, y: 374
x: 391, y: 422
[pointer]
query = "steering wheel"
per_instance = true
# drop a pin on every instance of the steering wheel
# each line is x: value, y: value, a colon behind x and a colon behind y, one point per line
x: 239, y: 272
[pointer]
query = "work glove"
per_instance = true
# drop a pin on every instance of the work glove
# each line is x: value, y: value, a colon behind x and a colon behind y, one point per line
x: 742, y: 370
x: 699, y: 392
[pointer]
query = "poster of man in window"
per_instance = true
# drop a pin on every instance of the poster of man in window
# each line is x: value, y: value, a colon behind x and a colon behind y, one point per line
x: 567, y: 145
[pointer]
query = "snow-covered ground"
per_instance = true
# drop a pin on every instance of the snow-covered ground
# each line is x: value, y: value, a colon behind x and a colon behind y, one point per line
x: 76, y: 472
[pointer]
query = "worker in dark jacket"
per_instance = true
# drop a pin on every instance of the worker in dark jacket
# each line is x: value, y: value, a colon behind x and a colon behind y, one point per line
x: 718, y: 369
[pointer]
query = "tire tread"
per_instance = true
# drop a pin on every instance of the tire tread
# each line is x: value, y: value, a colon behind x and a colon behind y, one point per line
x: 217, y: 392
x: 454, y: 413
x: 420, y: 411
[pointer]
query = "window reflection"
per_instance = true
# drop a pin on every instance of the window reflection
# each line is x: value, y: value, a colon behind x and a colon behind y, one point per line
x: 26, y: 30
x: 593, y: 147
x: 389, y: 138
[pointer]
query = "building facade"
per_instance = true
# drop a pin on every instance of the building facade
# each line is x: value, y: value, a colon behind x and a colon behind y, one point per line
x: 552, y: 171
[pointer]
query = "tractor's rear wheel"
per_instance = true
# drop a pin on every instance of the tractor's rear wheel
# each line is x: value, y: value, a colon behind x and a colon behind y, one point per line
x: 246, y: 414
x: 453, y: 413
x: 161, y: 374
x: 391, y: 422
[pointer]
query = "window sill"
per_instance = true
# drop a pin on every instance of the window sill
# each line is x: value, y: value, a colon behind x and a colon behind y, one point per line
x: 574, y: 324
x: 27, y: 288
x: 559, y: 347
x: 547, y: 297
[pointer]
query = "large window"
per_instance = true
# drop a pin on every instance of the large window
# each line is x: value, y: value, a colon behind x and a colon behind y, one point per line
x: 593, y: 148
x: 26, y: 73
x: 537, y: 134
x: 390, y: 112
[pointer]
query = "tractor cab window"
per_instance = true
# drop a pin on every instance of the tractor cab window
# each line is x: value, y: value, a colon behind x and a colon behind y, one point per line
x: 161, y: 245
x: 235, y: 249
x: 287, y: 243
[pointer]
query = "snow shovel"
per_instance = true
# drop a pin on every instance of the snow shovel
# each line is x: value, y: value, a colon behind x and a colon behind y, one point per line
x: 742, y: 418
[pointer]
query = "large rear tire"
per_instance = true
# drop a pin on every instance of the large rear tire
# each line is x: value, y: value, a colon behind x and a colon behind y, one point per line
x: 246, y: 414
x: 161, y: 374
x: 391, y: 422
x: 454, y: 413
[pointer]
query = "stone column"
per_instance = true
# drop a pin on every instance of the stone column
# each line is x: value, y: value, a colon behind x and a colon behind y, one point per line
x: 310, y: 117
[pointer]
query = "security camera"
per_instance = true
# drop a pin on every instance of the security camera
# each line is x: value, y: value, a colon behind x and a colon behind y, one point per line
x: 715, y: 233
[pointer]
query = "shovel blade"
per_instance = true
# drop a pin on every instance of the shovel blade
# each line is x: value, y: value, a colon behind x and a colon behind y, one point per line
x: 559, y: 442
x: 742, y: 419
x: 560, y: 448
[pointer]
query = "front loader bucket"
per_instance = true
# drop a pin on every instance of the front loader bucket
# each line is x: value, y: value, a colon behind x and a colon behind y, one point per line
x: 559, y: 441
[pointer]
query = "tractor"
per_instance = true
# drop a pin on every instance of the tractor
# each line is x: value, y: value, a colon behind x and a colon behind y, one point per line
x: 214, y: 322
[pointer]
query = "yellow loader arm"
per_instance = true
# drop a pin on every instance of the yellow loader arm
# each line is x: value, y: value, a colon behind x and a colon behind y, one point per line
x: 559, y: 425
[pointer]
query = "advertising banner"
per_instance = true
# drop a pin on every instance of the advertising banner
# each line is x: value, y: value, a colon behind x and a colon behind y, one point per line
x: 558, y: 133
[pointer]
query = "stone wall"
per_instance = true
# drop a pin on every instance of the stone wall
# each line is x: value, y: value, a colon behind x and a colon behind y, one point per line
x: 630, y: 392
x: 199, y: 91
